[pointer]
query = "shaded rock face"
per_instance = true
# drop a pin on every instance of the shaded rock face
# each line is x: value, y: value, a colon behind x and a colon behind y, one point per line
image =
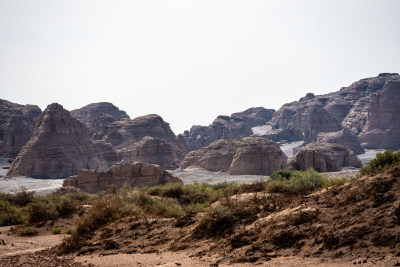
x: 324, y: 157
x: 96, y: 116
x: 59, y: 147
x: 345, y: 137
x: 382, y: 128
x: 319, y: 121
x: 16, y: 126
x: 134, y: 174
x: 251, y: 156
x: 236, y: 126
x: 288, y: 134
x: 349, y: 106
x: 147, y: 139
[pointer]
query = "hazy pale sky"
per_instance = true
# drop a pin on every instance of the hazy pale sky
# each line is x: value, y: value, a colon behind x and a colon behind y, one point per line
x: 190, y: 61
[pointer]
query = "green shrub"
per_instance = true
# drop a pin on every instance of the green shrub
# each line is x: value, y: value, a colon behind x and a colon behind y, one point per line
x: 27, y: 231
x: 383, y: 161
x: 300, y: 183
x: 41, y: 211
x: 281, y: 175
x: 10, y: 215
x: 337, y: 181
x: 216, y: 222
x: 56, y: 230
x: 69, y: 231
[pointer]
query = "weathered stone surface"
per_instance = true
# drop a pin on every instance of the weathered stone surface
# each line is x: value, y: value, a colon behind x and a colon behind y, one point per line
x: 257, y: 156
x: 89, y: 114
x: 382, y: 128
x: 16, y: 126
x: 236, y: 126
x: 324, y: 157
x: 345, y: 137
x: 251, y: 155
x: 134, y: 174
x: 349, y: 106
x: 146, y: 139
x: 287, y: 134
x: 319, y: 121
x: 215, y: 157
x: 59, y: 147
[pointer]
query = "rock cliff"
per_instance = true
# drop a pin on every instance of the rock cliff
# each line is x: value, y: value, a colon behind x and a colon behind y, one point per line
x: 132, y: 174
x: 16, y: 126
x: 324, y: 157
x: 236, y: 126
x: 251, y: 155
x: 96, y: 116
x: 147, y: 139
x: 382, y: 129
x: 345, y: 137
x: 59, y: 147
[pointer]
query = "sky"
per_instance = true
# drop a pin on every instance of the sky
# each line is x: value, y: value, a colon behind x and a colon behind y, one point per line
x: 190, y: 61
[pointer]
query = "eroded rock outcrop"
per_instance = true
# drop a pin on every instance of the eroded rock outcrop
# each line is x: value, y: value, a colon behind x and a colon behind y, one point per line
x: 97, y: 116
x: 382, y: 128
x: 146, y: 139
x: 236, y: 126
x: 251, y: 155
x: 287, y: 134
x: 324, y: 157
x: 16, y: 126
x: 319, y: 121
x: 345, y: 137
x: 59, y: 147
x: 133, y: 174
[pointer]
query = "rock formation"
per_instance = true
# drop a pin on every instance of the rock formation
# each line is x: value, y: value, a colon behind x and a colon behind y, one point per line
x: 132, y: 174
x: 59, y: 147
x: 349, y: 106
x: 345, y: 137
x: 319, y: 121
x: 16, y: 126
x: 251, y: 155
x: 146, y: 139
x: 236, y: 126
x: 287, y: 134
x: 96, y: 116
x: 382, y: 128
x: 324, y: 157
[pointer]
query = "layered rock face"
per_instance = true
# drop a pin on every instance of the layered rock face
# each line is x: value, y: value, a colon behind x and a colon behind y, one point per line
x: 382, y: 128
x: 59, y: 147
x: 288, y: 134
x: 147, y: 139
x: 236, y: 126
x: 324, y: 157
x: 251, y: 155
x: 345, y: 137
x: 349, y: 106
x: 96, y: 116
x: 133, y: 174
x: 320, y: 121
x: 16, y: 126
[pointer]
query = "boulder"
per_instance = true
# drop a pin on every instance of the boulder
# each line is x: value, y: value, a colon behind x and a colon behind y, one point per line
x: 217, y: 156
x: 147, y: 139
x: 345, y: 137
x: 324, y: 157
x: 251, y: 155
x: 59, y: 147
x: 382, y: 129
x: 133, y: 174
x: 16, y: 126
x: 319, y: 121
x: 89, y: 114
x: 236, y: 126
x: 257, y: 156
